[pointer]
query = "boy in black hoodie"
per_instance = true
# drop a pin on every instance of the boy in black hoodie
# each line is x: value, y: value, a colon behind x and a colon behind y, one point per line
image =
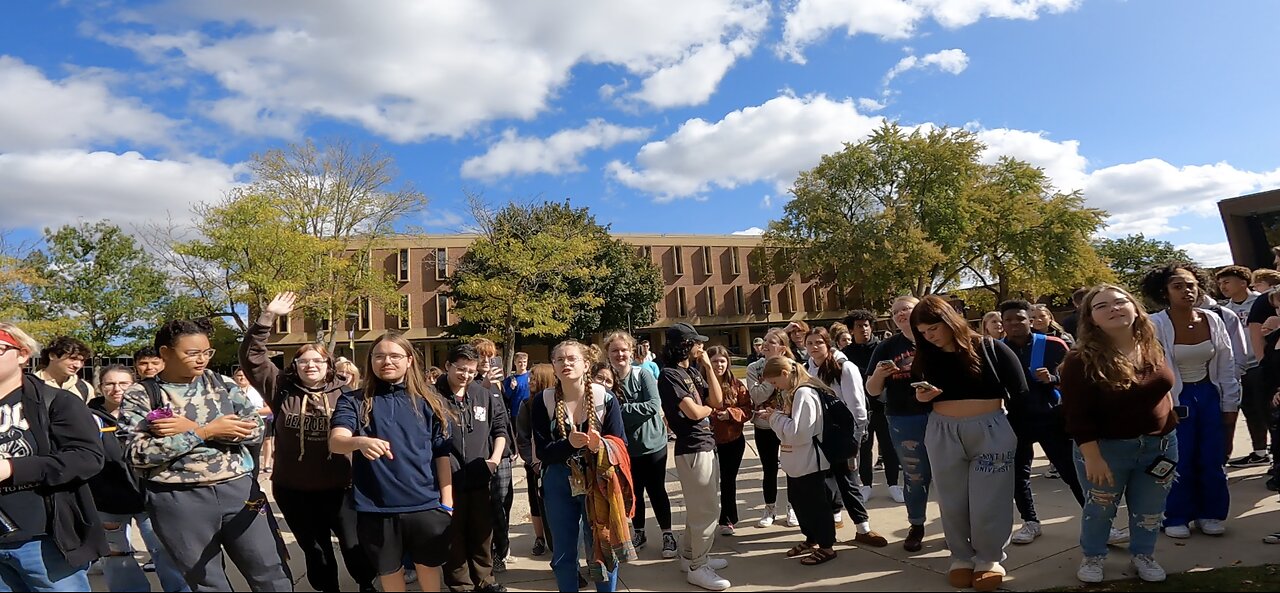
x: 479, y: 445
x: 49, y: 448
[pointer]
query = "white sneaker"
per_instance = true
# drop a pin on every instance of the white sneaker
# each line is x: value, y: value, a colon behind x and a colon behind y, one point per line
x: 866, y: 492
x: 895, y: 492
x: 1117, y: 537
x: 1029, y: 532
x: 792, y: 521
x: 1148, y: 569
x: 95, y: 568
x: 838, y: 519
x: 707, y: 578
x: 767, y: 519
x: 1211, y: 526
x: 1092, y: 569
x: 1178, y: 531
x: 714, y: 563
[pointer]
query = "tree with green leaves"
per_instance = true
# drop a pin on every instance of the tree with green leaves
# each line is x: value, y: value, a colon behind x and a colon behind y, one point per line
x: 885, y: 216
x: 97, y: 277
x: 1132, y: 256
x: 1027, y: 239
x: 547, y: 270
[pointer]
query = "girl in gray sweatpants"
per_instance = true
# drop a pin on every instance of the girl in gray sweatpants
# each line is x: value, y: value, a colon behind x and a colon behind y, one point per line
x: 971, y: 445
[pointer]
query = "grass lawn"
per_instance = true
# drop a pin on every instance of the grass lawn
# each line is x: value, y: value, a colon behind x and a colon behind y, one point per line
x: 1232, y: 578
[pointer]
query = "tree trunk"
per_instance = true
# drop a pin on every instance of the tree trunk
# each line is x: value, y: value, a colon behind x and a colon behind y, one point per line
x: 509, y: 353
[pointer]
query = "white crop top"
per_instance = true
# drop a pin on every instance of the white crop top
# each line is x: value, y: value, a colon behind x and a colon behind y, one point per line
x: 1193, y: 360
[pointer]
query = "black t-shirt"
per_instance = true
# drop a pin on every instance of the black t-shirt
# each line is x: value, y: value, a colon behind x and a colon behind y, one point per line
x: 900, y: 396
x: 1261, y: 311
x: 674, y: 386
x: 24, y: 507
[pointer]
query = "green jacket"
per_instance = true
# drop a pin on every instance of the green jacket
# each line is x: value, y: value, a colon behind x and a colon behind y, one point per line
x: 642, y: 413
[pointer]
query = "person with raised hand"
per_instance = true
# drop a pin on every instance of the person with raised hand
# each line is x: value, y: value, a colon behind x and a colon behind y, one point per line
x: 310, y: 482
x: 1116, y: 399
x: 402, y: 480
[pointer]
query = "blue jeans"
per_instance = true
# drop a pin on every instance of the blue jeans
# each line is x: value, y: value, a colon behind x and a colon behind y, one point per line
x: 123, y: 572
x: 1200, y: 490
x: 1128, y: 460
x: 38, y: 565
x: 566, y: 518
x: 907, y: 434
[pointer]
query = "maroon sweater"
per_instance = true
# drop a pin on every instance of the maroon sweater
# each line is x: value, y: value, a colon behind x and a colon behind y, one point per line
x: 1095, y: 412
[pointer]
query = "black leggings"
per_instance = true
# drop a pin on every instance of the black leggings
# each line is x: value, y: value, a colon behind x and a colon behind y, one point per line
x: 730, y: 457
x: 649, y: 473
x: 533, y: 485
x: 312, y: 517
x: 877, y: 430
x: 812, y: 501
x: 767, y: 446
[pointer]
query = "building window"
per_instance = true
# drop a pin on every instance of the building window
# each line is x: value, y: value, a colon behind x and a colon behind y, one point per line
x: 711, y: 300
x: 677, y: 254
x: 791, y: 298
x: 282, y: 324
x: 403, y: 265
x: 325, y: 325
x: 366, y: 315
x: 406, y: 314
x: 706, y: 260
x: 681, y: 311
x: 442, y: 263
x: 734, y: 260
x: 739, y: 300
x: 442, y: 310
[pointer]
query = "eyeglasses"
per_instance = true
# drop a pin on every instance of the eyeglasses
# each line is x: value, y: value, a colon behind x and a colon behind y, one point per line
x: 199, y: 354
x: 311, y: 362
x: 389, y: 357
x: 120, y: 384
x: 5, y: 349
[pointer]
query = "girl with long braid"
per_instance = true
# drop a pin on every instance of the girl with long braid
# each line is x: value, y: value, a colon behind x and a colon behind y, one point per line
x: 567, y: 420
x: 403, y: 482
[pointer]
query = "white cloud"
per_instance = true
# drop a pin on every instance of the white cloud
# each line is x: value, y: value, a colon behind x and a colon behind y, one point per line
x: 37, y: 113
x: 870, y: 105
x: 556, y: 154
x: 770, y: 142
x: 443, y: 219
x: 1061, y: 161
x: 751, y: 232
x: 413, y: 70
x: 57, y: 187
x: 1209, y: 254
x: 808, y: 21
x: 951, y: 61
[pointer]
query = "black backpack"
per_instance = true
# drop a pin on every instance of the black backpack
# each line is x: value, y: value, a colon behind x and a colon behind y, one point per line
x: 839, y: 428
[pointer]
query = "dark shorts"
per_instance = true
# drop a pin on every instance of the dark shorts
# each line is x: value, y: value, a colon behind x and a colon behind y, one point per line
x: 388, y: 537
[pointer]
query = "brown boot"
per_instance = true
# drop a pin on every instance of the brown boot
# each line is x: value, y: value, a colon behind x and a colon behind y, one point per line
x: 871, y: 538
x: 915, y: 539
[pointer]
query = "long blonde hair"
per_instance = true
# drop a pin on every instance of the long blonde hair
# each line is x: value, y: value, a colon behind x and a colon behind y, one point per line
x: 415, y: 384
x: 1103, y: 361
x: 778, y: 366
x: 563, y: 426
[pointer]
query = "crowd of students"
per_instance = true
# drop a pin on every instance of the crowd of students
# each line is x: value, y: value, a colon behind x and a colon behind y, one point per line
x: 409, y: 469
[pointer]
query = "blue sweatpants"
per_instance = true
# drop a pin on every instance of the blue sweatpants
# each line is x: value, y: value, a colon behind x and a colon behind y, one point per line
x: 1200, y: 489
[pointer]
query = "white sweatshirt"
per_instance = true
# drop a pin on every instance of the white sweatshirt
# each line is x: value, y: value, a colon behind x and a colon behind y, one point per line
x: 1223, y: 370
x: 851, y: 389
x: 799, y: 457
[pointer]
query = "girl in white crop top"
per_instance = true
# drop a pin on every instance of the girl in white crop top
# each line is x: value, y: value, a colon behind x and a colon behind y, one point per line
x: 1193, y: 360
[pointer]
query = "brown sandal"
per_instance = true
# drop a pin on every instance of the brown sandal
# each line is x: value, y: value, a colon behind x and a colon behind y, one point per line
x: 801, y: 549
x: 819, y: 556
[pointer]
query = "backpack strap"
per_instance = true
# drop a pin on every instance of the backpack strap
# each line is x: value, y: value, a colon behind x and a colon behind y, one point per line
x: 1038, y: 342
x: 83, y: 387
x: 989, y: 357
x: 154, y: 392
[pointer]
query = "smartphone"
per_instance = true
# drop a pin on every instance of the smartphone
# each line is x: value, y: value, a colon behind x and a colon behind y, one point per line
x: 495, y: 362
x: 1182, y: 412
x: 885, y: 363
x: 923, y: 385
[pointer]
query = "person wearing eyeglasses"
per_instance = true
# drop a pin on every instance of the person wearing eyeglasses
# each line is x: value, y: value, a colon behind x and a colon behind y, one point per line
x: 189, y: 433
x: 310, y: 482
x: 479, y: 446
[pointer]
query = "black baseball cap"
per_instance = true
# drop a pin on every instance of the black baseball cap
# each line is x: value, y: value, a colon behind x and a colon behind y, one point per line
x: 681, y: 332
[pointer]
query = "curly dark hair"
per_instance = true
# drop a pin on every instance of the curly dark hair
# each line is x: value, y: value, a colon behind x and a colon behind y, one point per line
x: 169, y: 333
x: 1014, y: 305
x: 859, y: 315
x: 1155, y: 285
x: 675, y: 352
x: 64, y: 346
x: 146, y: 352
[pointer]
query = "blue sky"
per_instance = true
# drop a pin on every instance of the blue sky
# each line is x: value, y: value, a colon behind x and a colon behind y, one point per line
x: 675, y: 116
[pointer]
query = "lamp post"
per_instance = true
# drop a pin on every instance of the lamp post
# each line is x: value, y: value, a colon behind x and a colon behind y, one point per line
x: 352, y: 319
x: 628, y: 306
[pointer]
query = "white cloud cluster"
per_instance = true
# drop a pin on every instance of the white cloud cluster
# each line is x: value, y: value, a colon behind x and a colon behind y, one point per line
x: 556, y: 154
x: 951, y: 61
x: 413, y: 70
x: 37, y: 113
x: 57, y: 187
x: 808, y: 21
x: 771, y: 142
x: 1209, y: 254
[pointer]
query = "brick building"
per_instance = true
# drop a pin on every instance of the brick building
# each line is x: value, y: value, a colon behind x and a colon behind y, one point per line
x: 708, y: 281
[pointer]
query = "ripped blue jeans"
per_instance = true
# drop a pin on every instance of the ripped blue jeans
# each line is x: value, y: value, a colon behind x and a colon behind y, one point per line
x: 1128, y: 460
x: 907, y: 434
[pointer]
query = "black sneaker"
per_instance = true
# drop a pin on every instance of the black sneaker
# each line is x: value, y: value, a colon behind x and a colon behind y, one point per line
x: 1250, y: 459
x: 499, y: 566
x: 1272, y: 485
x: 639, y: 539
x: 539, y: 547
x: 668, y: 545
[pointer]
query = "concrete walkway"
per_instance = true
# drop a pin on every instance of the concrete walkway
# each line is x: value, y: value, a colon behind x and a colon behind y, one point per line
x: 757, y: 560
